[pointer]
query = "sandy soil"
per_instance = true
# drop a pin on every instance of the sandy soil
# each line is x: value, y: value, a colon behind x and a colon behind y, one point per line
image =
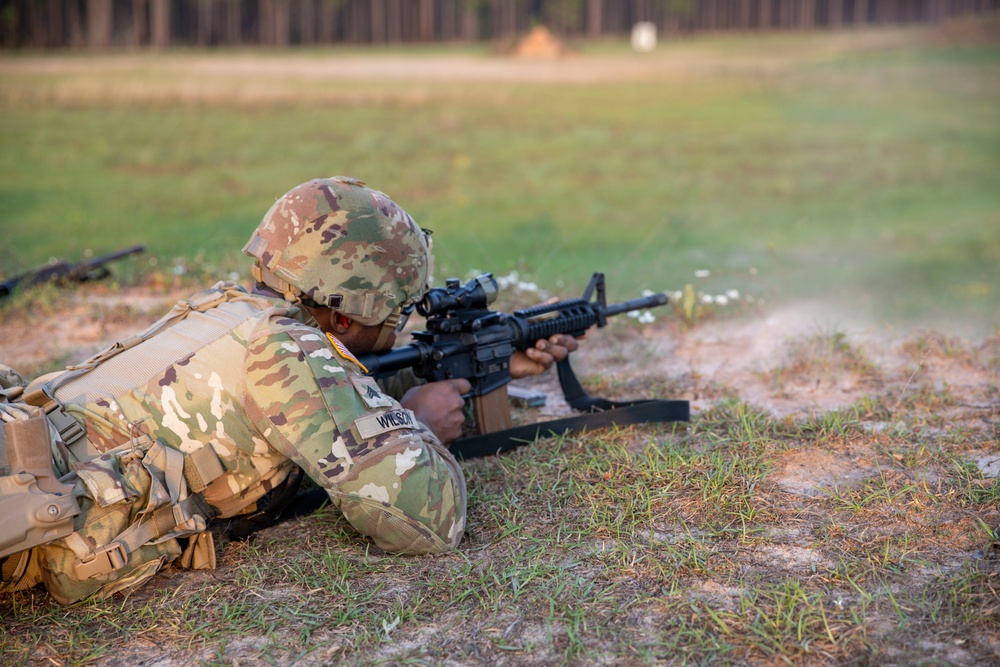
x: 780, y: 360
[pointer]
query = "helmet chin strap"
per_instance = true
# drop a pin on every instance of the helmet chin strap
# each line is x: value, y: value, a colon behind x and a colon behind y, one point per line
x: 382, y: 343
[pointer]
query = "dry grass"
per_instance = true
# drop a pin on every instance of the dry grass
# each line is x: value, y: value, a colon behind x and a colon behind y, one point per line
x: 862, y: 535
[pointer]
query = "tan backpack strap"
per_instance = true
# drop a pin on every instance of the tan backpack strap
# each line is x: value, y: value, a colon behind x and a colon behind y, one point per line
x: 114, y: 556
x: 200, y: 302
x: 161, y: 521
x: 70, y: 430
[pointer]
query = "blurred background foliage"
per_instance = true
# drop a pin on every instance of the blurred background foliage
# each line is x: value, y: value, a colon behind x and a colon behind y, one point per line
x: 860, y: 167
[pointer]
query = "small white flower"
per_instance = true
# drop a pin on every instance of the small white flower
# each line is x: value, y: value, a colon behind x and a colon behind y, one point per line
x: 678, y: 295
x: 733, y: 293
x: 234, y: 276
x: 721, y: 300
x: 706, y: 298
x: 702, y: 273
x: 753, y: 270
x: 647, y: 292
x: 647, y: 318
x: 633, y: 313
x: 179, y: 269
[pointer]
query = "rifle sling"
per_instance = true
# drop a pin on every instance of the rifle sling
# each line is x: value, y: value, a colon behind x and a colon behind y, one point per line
x: 599, y: 413
x: 623, y: 414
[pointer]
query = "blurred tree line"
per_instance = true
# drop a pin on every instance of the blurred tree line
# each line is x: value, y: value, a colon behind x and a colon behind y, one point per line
x: 104, y: 24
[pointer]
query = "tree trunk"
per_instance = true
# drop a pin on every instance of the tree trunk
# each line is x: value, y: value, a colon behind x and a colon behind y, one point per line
x: 56, y: 34
x: 395, y: 29
x: 327, y: 22
x: 204, y: 22
x: 265, y: 22
x: 807, y: 17
x: 282, y: 23
x: 860, y: 12
x: 594, y: 11
x: 470, y: 23
x: 764, y: 15
x: 138, y: 34
x: 37, y: 36
x: 307, y: 21
x: 447, y: 12
x: 233, y: 23
x: 426, y: 20
x: 835, y: 14
x: 744, y: 14
x: 378, y: 21
x: 99, y: 19
x: 159, y: 20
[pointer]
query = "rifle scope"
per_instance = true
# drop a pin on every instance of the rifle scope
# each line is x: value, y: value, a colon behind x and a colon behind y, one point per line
x: 478, y: 293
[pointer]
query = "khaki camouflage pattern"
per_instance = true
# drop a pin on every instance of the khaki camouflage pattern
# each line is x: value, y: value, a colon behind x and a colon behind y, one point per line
x: 265, y: 394
x: 10, y: 378
x: 113, y: 492
x: 334, y: 237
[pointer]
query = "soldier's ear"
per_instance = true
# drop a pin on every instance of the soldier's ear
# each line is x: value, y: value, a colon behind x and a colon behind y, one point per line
x: 339, y: 324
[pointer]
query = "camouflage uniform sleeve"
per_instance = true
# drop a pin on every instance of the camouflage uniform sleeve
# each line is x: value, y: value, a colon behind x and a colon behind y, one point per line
x: 386, y: 472
x: 397, y: 384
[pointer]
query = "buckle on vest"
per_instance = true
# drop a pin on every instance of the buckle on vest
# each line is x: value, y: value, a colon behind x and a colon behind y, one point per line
x: 70, y: 430
x: 107, y: 560
x: 181, y: 514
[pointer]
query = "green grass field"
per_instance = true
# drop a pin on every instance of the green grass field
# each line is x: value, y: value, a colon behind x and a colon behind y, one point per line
x: 830, y: 503
x: 863, y: 168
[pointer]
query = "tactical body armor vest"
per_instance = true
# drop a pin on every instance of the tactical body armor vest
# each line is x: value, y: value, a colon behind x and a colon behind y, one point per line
x: 104, y: 479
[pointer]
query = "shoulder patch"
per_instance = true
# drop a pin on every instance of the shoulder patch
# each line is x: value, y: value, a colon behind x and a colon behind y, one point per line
x: 368, y: 389
x: 391, y: 420
x: 344, y: 352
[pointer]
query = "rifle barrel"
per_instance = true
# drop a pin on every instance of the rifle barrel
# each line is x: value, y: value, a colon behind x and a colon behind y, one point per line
x: 62, y: 270
x: 112, y: 256
x: 651, y: 301
x: 386, y: 363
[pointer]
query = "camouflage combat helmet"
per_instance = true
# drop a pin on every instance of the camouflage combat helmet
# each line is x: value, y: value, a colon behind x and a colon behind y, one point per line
x: 336, y: 243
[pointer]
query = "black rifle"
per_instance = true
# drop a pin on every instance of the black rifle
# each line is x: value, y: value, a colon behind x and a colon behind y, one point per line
x: 63, y: 272
x: 465, y: 339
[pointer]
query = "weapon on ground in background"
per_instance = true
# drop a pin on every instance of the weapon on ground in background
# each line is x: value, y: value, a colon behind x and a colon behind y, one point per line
x: 465, y: 339
x: 63, y: 272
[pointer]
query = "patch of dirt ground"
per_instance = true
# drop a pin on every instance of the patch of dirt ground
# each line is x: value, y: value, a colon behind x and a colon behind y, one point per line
x: 779, y: 362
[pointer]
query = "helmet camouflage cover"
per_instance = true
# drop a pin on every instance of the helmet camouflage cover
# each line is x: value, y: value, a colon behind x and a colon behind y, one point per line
x: 344, y: 246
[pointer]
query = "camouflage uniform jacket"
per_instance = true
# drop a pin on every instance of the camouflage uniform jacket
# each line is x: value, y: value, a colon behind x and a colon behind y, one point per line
x: 249, y: 378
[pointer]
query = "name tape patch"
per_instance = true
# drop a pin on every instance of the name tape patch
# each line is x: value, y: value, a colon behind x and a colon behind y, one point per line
x: 374, y: 425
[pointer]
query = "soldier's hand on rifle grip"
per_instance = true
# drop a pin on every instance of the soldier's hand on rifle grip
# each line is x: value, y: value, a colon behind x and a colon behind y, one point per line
x: 440, y: 406
x: 542, y: 356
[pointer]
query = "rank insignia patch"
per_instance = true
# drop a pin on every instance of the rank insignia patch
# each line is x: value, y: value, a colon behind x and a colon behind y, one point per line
x: 370, y: 393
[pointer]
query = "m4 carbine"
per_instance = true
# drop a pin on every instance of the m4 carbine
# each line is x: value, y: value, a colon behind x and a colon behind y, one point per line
x: 465, y: 339
x: 67, y: 272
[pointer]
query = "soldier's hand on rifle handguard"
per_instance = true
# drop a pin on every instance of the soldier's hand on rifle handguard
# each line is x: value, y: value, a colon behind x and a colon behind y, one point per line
x: 541, y: 357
